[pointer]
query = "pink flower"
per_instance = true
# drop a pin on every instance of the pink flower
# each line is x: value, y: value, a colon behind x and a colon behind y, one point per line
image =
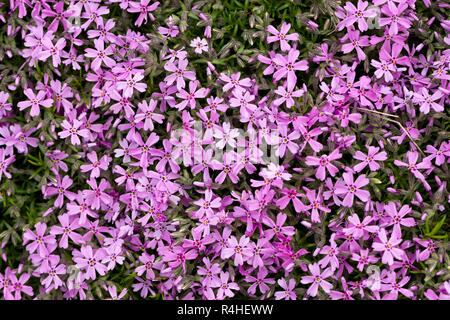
x: 282, y: 36
x: 200, y: 45
x: 148, y: 114
x: 18, y: 285
x: 60, y: 188
x: 364, y: 259
x: 324, y: 164
x: 317, y: 279
x: 73, y: 130
x: 4, y: 163
x: 357, y: 14
x: 388, y: 247
x: 144, y: 8
x: 369, y: 159
x: 358, y: 229
x: 288, y: 196
x: 225, y: 286
x: 288, y: 293
x: 90, y: 260
x: 35, y: 101
x: 356, y: 42
x: 234, y: 81
x: 67, y: 230
x: 240, y: 250
x: 426, y: 101
x: 315, y: 204
x: 189, y: 98
x: 132, y: 83
x: 179, y: 73
x: 397, y: 217
x: 353, y: 188
x: 39, y: 241
x: 288, y: 65
x: 100, y: 55
x: 413, y: 166
x: 395, y: 20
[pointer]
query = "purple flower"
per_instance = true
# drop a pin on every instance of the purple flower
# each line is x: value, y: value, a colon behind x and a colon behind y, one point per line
x: 353, y: 188
x: 288, y: 293
x: 388, y: 247
x: 282, y: 36
x: 35, y: 101
x: 357, y: 14
x: 369, y: 159
x: 89, y: 260
x: 317, y: 279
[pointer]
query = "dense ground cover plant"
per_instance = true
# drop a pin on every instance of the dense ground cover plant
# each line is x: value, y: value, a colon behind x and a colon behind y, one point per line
x: 224, y: 149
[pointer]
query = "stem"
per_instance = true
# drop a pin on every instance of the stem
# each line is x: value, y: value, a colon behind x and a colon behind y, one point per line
x: 383, y: 115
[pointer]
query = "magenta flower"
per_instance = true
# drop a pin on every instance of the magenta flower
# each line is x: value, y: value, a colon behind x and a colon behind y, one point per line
x: 331, y: 252
x: 324, y: 164
x: 357, y: 14
x: 288, y: 293
x: 53, y: 50
x: 358, y: 229
x: 364, y: 259
x: 413, y: 166
x: 179, y: 73
x: 60, y: 188
x: 282, y: 36
x: 225, y: 286
x: 39, y: 240
x: 260, y: 281
x: 239, y: 250
x: 210, y: 272
x: 352, y: 189
x: 132, y: 83
x: 67, y: 230
x: 73, y: 130
x: 288, y: 65
x: 97, y: 195
x: 388, y: 247
x: 288, y: 196
x: 207, y: 205
x: 356, y: 42
x: 369, y: 159
x: 35, y: 101
x: 232, y: 82
x: 427, y: 101
x: 113, y: 293
x: 397, y: 217
x: 148, y: 114
x: 53, y: 281
x: 395, y: 287
x: 96, y: 164
x: 317, y: 279
x: 4, y: 163
x: 144, y: 8
x: 18, y: 285
x: 315, y: 204
x: 189, y: 98
x: 384, y: 69
x: 438, y: 155
x: 287, y: 96
x: 395, y: 20
x: 277, y: 229
x: 100, y: 54
x: 200, y: 45
x: 89, y: 260
x: 60, y: 15
x: 177, y: 256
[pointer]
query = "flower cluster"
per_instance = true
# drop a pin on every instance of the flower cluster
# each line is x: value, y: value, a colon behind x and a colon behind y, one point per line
x: 312, y: 169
